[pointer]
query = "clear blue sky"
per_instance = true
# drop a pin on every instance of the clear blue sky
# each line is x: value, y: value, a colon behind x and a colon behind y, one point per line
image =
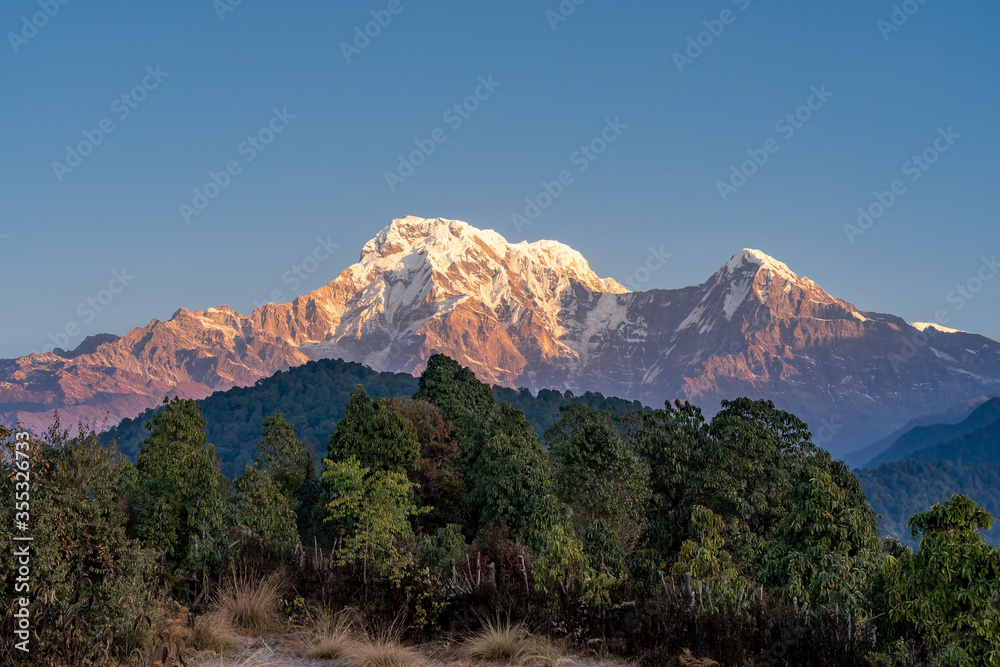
x: 324, y: 174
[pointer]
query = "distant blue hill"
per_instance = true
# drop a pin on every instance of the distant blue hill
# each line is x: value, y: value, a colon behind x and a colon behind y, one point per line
x: 923, y: 437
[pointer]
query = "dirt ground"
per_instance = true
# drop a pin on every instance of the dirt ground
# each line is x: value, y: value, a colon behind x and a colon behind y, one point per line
x: 276, y: 652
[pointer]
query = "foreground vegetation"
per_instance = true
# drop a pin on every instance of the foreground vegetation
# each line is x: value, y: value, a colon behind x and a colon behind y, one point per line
x: 655, y: 535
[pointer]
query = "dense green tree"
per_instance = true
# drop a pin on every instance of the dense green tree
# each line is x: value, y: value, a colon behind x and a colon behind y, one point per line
x: 261, y: 512
x: 511, y: 480
x: 826, y: 549
x: 283, y: 457
x: 371, y: 509
x: 178, y: 502
x: 705, y: 558
x: 376, y: 435
x: 603, y: 482
x: 947, y: 595
x: 89, y: 582
x: 675, y: 445
x: 746, y: 476
x: 438, y: 478
x: 465, y: 402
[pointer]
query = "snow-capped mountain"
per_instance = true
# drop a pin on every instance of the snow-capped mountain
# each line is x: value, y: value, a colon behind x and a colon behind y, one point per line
x: 535, y: 315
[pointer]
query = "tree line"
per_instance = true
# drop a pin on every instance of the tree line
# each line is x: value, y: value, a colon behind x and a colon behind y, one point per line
x: 642, y: 530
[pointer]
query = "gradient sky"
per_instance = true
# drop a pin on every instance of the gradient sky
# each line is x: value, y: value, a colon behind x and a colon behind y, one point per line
x: 323, y: 176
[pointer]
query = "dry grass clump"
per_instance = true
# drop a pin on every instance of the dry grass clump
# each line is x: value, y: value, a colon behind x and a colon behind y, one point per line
x: 213, y: 632
x: 253, y: 660
x: 384, y: 650
x: 686, y: 659
x: 249, y: 603
x: 170, y: 635
x: 497, y: 641
x: 541, y: 650
x: 501, y: 641
x: 328, y: 636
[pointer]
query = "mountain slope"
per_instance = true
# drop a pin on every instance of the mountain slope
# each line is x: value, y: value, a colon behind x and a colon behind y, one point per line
x: 535, y: 315
x: 979, y: 446
x: 953, y: 415
x: 923, y: 437
x: 898, y: 490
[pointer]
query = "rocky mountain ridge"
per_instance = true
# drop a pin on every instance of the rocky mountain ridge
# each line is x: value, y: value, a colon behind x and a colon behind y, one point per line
x: 535, y: 315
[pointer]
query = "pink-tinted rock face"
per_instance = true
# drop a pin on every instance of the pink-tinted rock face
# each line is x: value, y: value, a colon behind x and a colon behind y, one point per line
x: 535, y: 315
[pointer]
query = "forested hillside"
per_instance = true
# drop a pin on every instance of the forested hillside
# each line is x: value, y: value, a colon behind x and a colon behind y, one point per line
x: 941, y: 460
x: 897, y: 490
x: 980, y: 446
x: 922, y: 437
x: 649, y: 534
x: 313, y: 397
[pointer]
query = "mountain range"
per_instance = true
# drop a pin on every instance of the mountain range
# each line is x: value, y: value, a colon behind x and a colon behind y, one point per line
x: 535, y: 315
x: 930, y: 462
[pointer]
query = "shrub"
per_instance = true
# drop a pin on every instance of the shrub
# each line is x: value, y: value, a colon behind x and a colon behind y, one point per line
x: 542, y: 650
x: 497, y: 640
x: 250, y: 603
x: 328, y: 636
x: 214, y: 632
x: 92, y: 588
x: 383, y: 651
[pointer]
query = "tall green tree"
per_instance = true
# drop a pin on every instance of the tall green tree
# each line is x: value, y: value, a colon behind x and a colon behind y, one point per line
x: 376, y: 435
x: 464, y: 402
x: 89, y: 586
x: 947, y: 595
x: 705, y: 558
x: 603, y: 482
x: 371, y: 510
x: 438, y: 478
x: 675, y: 444
x: 757, y: 453
x: 283, y: 457
x: 511, y: 481
x: 179, y: 500
x: 262, y: 513
x: 827, y: 548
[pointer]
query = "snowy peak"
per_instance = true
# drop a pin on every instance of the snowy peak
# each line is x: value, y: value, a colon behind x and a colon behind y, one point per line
x: 758, y: 281
x: 532, y: 315
x: 755, y: 261
x: 462, y: 252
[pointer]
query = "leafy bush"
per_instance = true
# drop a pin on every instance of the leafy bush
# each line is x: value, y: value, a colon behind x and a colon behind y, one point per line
x: 92, y: 587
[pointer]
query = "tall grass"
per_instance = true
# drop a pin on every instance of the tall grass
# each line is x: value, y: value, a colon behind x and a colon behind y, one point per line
x: 250, y: 603
x: 541, y: 650
x: 503, y: 641
x: 213, y: 632
x: 384, y: 650
x: 328, y: 636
